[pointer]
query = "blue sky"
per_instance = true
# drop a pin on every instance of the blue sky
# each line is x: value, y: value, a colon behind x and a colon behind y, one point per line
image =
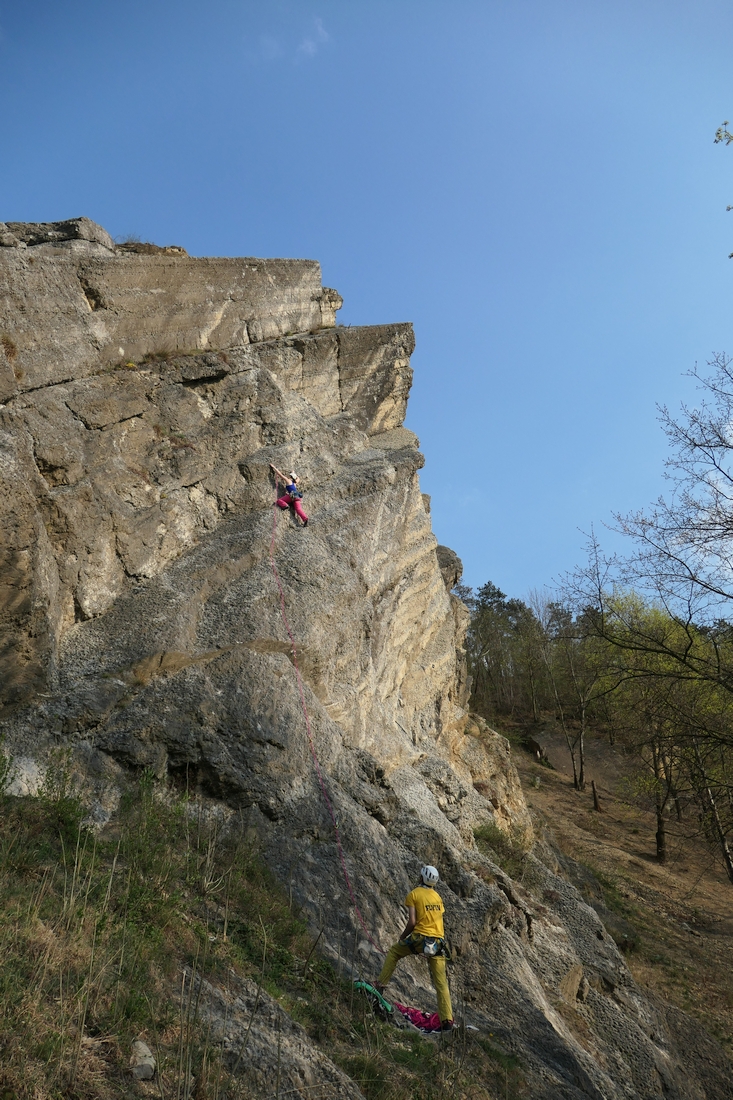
x: 533, y: 183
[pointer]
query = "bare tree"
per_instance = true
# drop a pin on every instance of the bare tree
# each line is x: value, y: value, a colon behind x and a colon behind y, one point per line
x: 723, y: 134
x: 579, y: 671
x: 666, y: 606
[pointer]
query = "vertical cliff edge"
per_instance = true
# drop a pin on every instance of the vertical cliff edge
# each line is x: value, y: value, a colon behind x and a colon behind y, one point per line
x: 144, y: 395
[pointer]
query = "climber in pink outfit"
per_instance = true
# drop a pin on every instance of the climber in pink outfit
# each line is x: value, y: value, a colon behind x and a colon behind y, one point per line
x: 292, y: 495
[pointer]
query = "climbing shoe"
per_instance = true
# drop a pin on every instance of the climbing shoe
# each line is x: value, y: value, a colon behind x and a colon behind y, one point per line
x: 448, y: 1025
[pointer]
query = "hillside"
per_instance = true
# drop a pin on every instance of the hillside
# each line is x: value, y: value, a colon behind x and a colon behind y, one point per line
x: 146, y: 394
x: 677, y: 916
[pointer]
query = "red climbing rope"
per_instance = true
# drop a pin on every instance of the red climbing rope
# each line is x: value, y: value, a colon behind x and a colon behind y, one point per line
x: 316, y: 764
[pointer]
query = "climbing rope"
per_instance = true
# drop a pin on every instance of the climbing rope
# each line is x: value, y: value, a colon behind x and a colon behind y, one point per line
x: 311, y: 745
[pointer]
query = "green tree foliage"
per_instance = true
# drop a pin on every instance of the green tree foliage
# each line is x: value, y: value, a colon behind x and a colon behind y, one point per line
x: 505, y: 658
x: 530, y: 661
x: 616, y: 670
x: 665, y: 608
x: 640, y: 647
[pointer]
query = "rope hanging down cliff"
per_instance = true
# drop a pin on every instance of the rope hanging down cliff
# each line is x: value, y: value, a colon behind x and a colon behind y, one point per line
x: 311, y: 745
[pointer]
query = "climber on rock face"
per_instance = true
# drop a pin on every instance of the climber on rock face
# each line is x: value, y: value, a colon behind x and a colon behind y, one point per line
x: 423, y: 935
x: 292, y: 496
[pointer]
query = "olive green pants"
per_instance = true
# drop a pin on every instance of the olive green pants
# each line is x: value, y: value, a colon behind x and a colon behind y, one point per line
x: 437, y: 974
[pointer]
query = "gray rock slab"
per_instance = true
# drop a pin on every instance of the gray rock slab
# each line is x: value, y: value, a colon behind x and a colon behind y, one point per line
x: 145, y: 396
x: 142, y: 1061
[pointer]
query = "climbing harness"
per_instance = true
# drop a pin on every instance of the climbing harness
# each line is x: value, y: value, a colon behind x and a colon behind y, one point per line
x: 311, y: 745
x: 429, y: 946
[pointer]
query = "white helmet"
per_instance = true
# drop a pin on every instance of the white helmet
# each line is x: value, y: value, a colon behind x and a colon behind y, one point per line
x: 429, y: 875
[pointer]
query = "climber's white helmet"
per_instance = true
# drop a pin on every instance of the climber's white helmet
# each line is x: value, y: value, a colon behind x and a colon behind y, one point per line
x: 429, y: 875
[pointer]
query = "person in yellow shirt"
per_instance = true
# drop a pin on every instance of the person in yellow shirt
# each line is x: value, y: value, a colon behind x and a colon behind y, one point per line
x: 423, y: 935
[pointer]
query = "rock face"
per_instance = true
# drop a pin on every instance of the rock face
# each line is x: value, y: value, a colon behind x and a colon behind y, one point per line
x: 145, y: 396
x: 142, y: 1061
x: 248, y: 1026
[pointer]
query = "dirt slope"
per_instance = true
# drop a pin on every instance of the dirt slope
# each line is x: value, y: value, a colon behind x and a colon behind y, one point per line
x: 682, y: 912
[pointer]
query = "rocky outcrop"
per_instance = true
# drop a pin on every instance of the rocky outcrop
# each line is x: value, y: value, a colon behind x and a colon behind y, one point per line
x: 71, y: 305
x: 250, y: 1028
x: 450, y: 565
x: 144, y: 397
x: 68, y: 234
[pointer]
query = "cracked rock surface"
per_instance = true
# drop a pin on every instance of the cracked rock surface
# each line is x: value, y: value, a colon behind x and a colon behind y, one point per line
x: 144, y: 398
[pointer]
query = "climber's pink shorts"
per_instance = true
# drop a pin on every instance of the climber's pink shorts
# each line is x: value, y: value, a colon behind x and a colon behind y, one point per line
x: 285, y: 502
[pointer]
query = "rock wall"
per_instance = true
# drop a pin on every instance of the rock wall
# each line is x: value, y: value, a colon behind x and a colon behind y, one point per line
x: 145, y: 395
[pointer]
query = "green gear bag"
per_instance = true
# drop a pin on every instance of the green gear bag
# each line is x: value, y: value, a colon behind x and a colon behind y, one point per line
x: 379, y: 1003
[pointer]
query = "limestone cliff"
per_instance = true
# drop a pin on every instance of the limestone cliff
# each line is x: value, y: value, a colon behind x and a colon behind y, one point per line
x: 145, y: 395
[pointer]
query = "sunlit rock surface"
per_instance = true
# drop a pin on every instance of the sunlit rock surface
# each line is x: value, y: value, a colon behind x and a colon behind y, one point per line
x: 144, y: 397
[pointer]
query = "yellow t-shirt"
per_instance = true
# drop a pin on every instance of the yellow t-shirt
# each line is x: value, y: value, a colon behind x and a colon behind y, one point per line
x: 429, y: 911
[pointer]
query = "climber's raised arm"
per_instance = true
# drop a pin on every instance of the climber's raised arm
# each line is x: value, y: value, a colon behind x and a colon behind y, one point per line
x: 291, y: 496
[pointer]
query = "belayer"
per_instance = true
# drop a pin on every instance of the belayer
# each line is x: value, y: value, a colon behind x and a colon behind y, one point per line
x: 292, y: 496
x: 423, y: 935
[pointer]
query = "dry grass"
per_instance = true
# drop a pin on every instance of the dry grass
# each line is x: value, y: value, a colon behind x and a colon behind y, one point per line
x: 98, y: 927
x: 96, y: 930
x: 682, y: 910
x: 9, y: 346
x: 146, y: 248
x: 507, y: 851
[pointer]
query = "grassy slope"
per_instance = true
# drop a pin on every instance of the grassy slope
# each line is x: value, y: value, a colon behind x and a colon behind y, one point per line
x: 681, y: 912
x: 96, y: 928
